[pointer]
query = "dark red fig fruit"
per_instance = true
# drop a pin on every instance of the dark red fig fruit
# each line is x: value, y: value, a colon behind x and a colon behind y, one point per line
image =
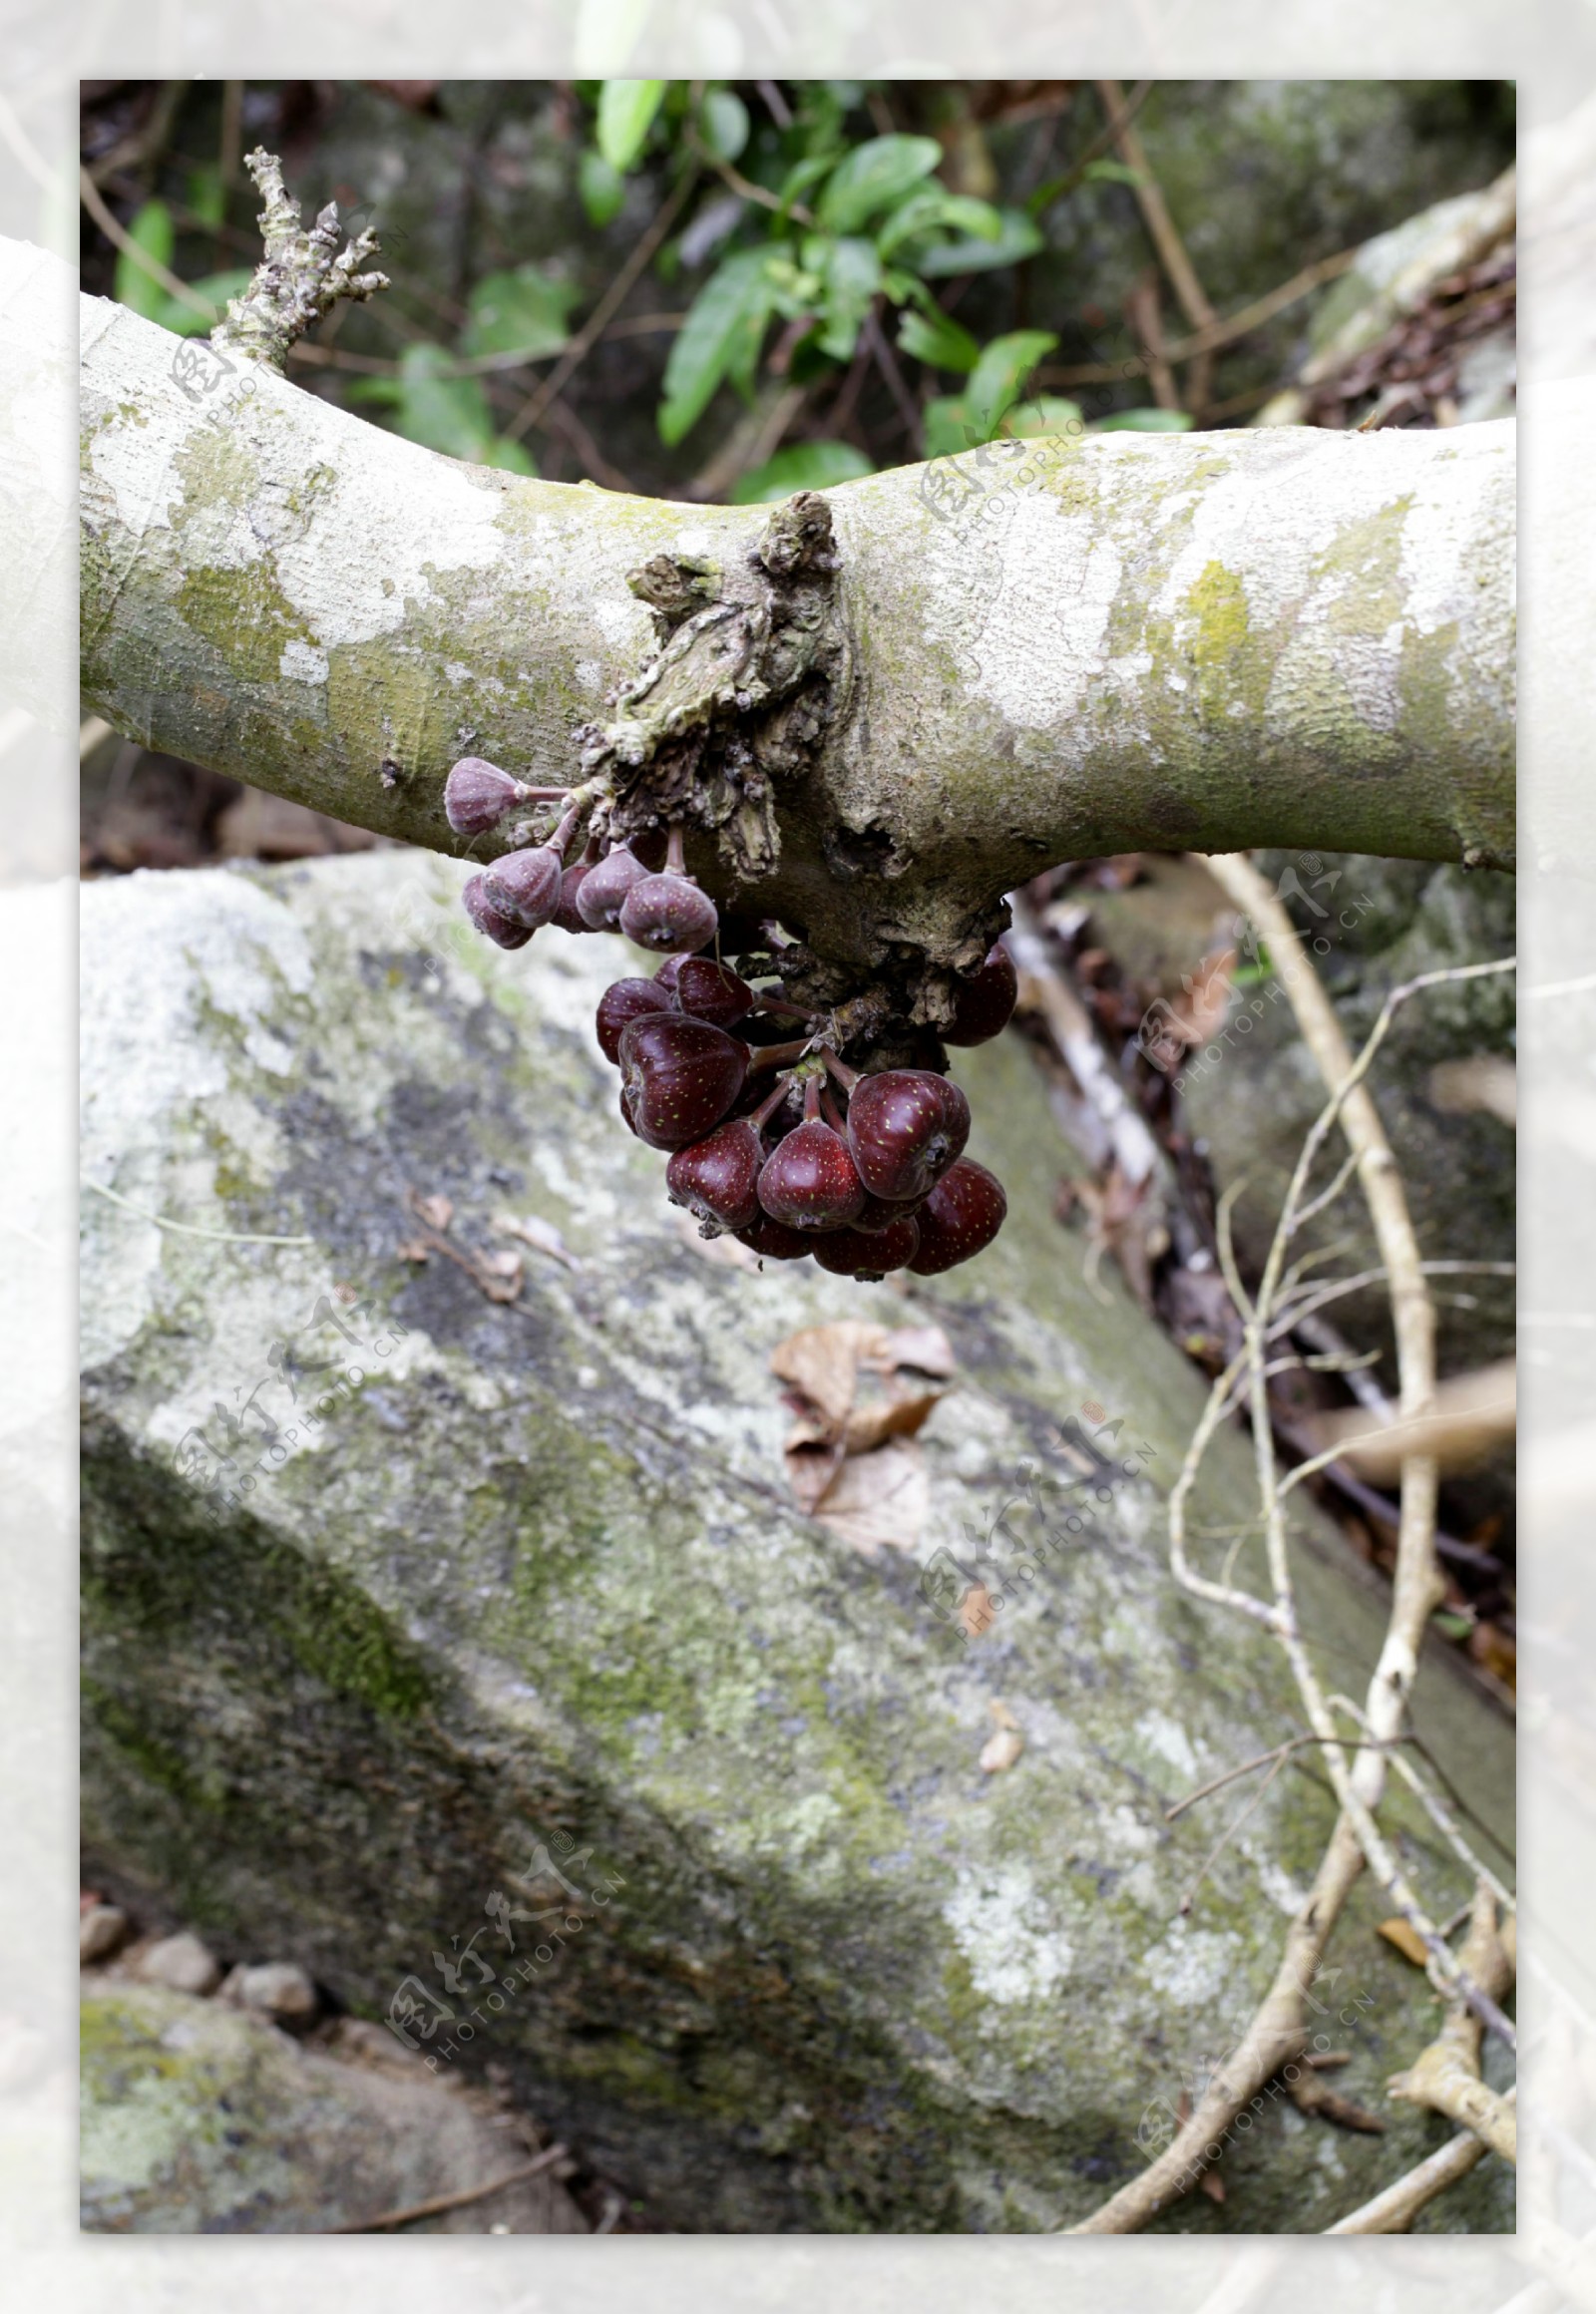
x: 774, y: 1241
x: 855, y: 1253
x: 985, y: 1003
x: 668, y: 912
x: 878, y: 1214
x: 606, y: 887
x: 525, y: 885
x: 621, y: 1003
x: 566, y: 915
x: 906, y: 1126
x: 487, y: 920
x: 711, y: 991
x: 477, y: 795
x: 718, y: 1179
x: 681, y: 1076
x: 810, y: 1182
x: 665, y: 977
x: 962, y: 1216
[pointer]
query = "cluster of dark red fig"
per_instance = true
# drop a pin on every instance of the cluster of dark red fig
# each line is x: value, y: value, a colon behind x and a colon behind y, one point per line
x: 779, y: 1144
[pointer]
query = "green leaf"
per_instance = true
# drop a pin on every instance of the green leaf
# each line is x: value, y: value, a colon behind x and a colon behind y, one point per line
x: 998, y: 378
x: 936, y: 339
x: 945, y: 428
x: 1018, y: 238
x: 852, y: 275
x: 514, y: 457
x: 627, y: 112
x: 873, y: 177
x: 801, y: 176
x: 1110, y: 172
x: 523, y: 311
x: 442, y: 412
x: 152, y: 229
x: 1142, y: 422
x: 802, y: 466
x: 1047, y: 414
x: 711, y: 338
x: 206, y: 194
x: 725, y: 123
x: 216, y: 288
x: 602, y: 188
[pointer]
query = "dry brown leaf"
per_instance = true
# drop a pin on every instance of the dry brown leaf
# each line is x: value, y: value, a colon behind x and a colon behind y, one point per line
x: 502, y: 1276
x: 436, y: 1211
x: 414, y: 1251
x: 878, y: 1499
x: 1406, y: 1939
x: 1002, y: 1717
x: 823, y: 1363
x: 975, y: 1611
x: 894, y: 1417
x: 1001, y: 1749
x: 925, y: 1348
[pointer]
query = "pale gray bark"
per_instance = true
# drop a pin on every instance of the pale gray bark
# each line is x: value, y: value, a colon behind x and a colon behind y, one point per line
x: 1213, y: 642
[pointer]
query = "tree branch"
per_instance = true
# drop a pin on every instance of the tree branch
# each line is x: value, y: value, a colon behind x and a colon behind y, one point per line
x: 1060, y: 649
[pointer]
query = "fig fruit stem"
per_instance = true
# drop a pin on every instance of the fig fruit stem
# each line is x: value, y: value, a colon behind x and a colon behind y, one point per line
x: 831, y: 1112
x: 846, y: 1078
x: 812, y: 1101
x: 777, y: 1055
x: 675, y: 856
x: 779, y: 1009
x: 562, y: 836
x: 768, y: 1107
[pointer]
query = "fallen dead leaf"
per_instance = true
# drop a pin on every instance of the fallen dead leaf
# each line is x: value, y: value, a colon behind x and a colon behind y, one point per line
x: 502, y: 1276
x: 880, y: 1499
x: 1001, y: 1749
x: 823, y: 1363
x: 436, y: 1211
x: 871, y: 1427
x: 1406, y: 1939
x: 975, y: 1611
x: 414, y: 1251
x: 1000, y: 1714
x: 924, y: 1348
x: 541, y: 1235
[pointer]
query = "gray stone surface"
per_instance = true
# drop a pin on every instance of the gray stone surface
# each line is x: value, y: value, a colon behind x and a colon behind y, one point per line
x: 181, y: 1963
x: 100, y: 1930
x: 280, y: 1990
x: 536, y: 1577
x: 198, y: 2118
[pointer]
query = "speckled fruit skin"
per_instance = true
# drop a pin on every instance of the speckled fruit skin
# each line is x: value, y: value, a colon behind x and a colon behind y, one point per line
x: 711, y: 991
x: 525, y: 885
x: 487, y: 920
x: 960, y: 1219
x: 857, y: 1253
x: 681, y: 1078
x: 668, y: 912
x: 985, y: 1003
x: 905, y: 1128
x: 566, y: 915
x: 877, y: 1213
x: 810, y: 1182
x: 623, y: 1002
x: 477, y: 795
x: 604, y: 888
x: 718, y: 1179
x: 774, y: 1241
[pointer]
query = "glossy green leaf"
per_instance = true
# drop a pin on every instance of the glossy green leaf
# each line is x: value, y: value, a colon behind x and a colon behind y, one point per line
x: 1018, y: 238
x: 1045, y: 414
x: 802, y: 466
x: 874, y: 176
x: 999, y: 377
x: 442, y: 412
x: 851, y: 278
x: 736, y: 296
x: 936, y: 338
x: 602, y: 188
x: 513, y: 457
x: 1110, y: 172
x: 1142, y: 422
x: 216, y: 288
x: 627, y: 112
x: 523, y: 311
x: 725, y: 123
x: 152, y: 228
x: 206, y: 194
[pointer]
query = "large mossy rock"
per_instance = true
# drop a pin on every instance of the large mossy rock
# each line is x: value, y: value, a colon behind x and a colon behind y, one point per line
x: 537, y: 1577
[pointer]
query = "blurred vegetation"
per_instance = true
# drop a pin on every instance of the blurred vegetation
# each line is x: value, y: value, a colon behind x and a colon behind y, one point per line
x: 735, y: 291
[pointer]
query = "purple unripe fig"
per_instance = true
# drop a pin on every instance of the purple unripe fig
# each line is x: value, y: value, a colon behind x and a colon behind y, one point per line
x: 665, y: 977
x: 906, y: 1126
x: 570, y: 883
x: 477, y: 795
x: 487, y: 920
x: 718, y: 1179
x: 962, y: 1216
x: 985, y: 1003
x: 681, y: 1078
x: 606, y: 887
x: 711, y: 991
x: 810, y: 1182
x: 855, y: 1253
x: 623, y: 1002
x: 668, y: 912
x: 525, y: 885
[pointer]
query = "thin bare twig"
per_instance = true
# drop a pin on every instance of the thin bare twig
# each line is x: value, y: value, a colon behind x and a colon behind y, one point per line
x: 440, y: 2203
x: 1172, y: 252
x: 1393, y: 2210
x: 89, y: 193
x: 1445, y: 2075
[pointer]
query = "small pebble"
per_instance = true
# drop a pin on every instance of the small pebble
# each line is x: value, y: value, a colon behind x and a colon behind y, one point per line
x: 280, y: 1990
x: 181, y: 1963
x: 100, y: 1930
